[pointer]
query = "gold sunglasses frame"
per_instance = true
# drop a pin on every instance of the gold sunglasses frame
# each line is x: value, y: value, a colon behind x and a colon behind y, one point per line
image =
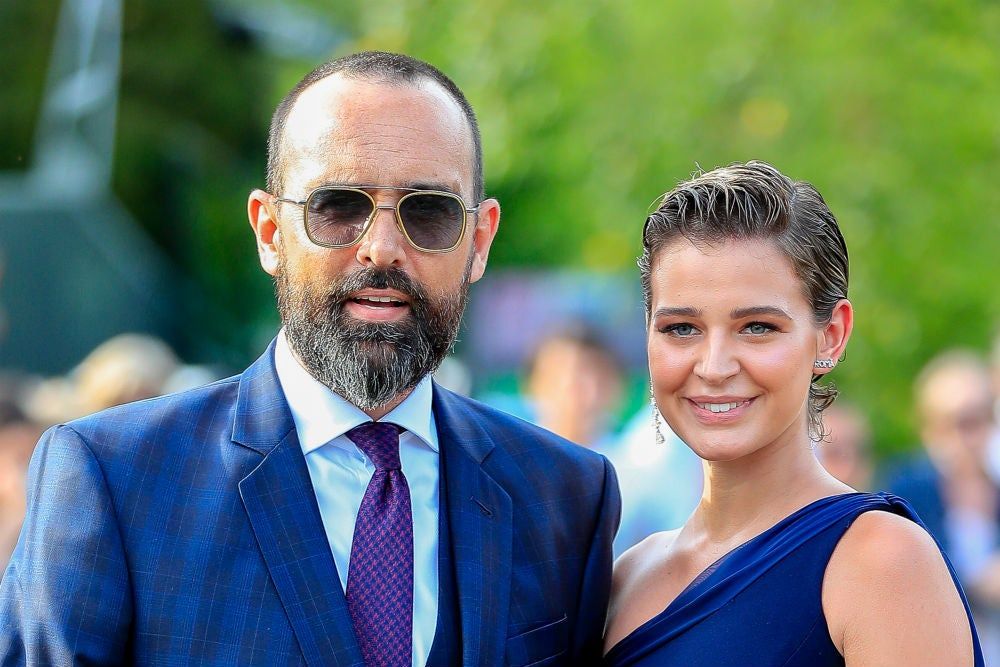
x: 376, y: 207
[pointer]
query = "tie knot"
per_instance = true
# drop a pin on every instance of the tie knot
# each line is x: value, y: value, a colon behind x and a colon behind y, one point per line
x: 380, y: 443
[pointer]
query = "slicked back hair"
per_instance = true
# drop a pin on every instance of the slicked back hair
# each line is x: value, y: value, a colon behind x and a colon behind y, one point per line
x: 753, y: 201
x: 381, y: 67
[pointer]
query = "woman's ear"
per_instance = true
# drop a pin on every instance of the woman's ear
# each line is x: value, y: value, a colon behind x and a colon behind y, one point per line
x: 832, y: 338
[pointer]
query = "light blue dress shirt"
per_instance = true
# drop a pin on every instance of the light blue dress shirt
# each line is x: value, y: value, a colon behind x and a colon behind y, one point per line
x: 340, y: 473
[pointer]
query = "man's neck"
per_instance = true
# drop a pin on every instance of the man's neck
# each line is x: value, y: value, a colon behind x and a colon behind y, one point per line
x: 378, y: 413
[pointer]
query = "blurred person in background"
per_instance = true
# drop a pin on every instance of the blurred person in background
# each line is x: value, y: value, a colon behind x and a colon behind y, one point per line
x: 3, y: 310
x: 948, y: 481
x: 660, y: 478
x: 575, y: 384
x: 995, y: 375
x: 845, y: 449
x: 994, y: 446
x: 18, y: 435
x: 128, y: 367
x: 331, y: 504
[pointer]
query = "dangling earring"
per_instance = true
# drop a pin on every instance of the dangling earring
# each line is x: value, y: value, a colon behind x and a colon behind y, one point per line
x: 823, y: 363
x: 660, y: 440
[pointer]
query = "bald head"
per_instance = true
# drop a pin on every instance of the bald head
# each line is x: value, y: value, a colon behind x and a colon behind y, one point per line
x: 955, y: 378
x: 351, y: 131
x: 379, y: 69
x: 955, y: 403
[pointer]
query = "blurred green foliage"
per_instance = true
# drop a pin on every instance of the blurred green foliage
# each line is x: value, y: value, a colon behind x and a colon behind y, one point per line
x: 589, y: 111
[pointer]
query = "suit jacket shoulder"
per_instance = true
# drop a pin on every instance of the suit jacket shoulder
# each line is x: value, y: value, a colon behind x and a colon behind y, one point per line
x: 145, y: 424
x: 510, y: 440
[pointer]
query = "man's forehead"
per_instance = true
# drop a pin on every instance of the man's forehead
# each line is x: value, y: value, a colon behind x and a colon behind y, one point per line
x: 350, y: 121
x: 339, y: 101
x: 955, y: 388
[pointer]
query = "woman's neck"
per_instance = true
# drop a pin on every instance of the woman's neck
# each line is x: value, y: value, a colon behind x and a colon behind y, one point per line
x: 745, y: 496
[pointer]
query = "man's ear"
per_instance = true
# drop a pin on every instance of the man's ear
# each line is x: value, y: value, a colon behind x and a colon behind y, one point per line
x: 265, y: 228
x: 487, y: 223
x: 834, y: 336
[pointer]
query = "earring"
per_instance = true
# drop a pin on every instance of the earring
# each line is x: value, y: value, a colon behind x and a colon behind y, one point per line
x: 660, y: 440
x: 823, y: 363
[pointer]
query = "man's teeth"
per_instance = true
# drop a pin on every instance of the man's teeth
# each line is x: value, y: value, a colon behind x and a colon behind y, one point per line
x: 720, y: 407
x: 379, y: 299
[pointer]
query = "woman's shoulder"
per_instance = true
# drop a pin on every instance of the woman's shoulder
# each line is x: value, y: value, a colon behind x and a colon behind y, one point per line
x: 634, y: 572
x: 878, y: 535
x: 887, y: 547
x: 888, y: 591
x: 639, y: 559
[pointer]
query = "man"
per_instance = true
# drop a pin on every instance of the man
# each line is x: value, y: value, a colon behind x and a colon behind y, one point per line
x: 575, y: 384
x: 845, y: 449
x: 331, y: 505
x: 949, y: 484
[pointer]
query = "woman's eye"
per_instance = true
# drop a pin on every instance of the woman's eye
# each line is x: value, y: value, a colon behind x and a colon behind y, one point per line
x: 680, y: 330
x: 759, y: 328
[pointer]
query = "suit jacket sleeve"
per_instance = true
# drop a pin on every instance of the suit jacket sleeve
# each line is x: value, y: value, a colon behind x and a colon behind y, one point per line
x: 588, y: 639
x: 65, y: 595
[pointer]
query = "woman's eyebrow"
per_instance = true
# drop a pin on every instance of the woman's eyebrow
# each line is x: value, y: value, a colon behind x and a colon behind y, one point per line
x: 740, y: 313
x: 686, y: 311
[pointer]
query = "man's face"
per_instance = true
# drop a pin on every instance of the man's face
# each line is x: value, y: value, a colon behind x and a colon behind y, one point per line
x: 345, y: 131
x: 957, y: 415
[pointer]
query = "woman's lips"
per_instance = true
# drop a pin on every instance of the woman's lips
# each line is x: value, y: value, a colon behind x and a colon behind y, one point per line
x: 721, y: 410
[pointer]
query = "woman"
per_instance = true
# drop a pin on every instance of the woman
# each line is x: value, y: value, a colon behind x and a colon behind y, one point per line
x: 744, y: 274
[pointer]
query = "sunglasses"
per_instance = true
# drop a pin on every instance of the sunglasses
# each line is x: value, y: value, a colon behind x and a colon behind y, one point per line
x: 337, y: 216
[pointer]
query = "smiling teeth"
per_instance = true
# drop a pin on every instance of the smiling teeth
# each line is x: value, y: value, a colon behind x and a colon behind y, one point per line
x: 720, y: 407
x: 379, y: 299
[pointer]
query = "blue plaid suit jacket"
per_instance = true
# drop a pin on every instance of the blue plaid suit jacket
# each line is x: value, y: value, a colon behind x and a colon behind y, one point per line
x: 184, y: 531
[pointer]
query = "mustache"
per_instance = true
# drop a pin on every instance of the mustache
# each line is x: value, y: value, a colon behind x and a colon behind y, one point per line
x: 371, y: 278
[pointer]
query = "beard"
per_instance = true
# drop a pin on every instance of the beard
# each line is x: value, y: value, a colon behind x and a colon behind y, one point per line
x: 369, y: 363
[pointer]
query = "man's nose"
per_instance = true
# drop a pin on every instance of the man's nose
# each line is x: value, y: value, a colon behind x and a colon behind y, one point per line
x: 383, y: 243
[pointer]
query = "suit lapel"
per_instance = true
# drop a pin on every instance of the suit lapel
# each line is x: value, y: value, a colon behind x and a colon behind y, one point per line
x: 479, y: 511
x: 281, y: 505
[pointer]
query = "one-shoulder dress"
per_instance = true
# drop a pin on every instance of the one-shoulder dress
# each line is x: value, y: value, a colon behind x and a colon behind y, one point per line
x: 760, y: 605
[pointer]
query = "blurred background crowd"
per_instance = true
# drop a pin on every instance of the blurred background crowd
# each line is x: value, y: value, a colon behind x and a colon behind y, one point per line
x: 133, y: 130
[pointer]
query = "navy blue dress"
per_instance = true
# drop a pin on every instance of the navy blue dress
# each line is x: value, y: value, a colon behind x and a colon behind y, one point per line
x: 760, y: 605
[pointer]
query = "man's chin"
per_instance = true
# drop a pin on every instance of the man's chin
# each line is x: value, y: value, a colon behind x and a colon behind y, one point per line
x: 374, y: 336
x: 374, y: 348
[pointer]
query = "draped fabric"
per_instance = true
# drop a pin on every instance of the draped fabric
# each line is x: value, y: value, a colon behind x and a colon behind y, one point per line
x: 760, y: 604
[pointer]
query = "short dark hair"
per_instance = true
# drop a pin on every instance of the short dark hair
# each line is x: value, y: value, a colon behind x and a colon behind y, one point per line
x: 582, y: 335
x: 755, y: 201
x: 393, y: 68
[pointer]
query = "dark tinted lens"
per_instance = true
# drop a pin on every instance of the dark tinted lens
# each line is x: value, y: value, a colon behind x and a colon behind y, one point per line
x: 433, y: 222
x: 337, y: 217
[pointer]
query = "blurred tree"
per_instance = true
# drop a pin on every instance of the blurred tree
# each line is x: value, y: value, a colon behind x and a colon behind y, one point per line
x: 191, y: 123
x: 25, y: 49
x: 589, y: 111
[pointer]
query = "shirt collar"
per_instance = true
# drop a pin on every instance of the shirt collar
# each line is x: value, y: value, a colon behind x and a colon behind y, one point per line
x: 320, y: 414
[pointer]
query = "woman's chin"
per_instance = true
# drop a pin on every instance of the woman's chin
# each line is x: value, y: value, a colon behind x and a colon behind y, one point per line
x: 718, y: 451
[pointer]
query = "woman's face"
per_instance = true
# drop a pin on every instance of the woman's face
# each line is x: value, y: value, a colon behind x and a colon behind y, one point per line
x: 731, y: 346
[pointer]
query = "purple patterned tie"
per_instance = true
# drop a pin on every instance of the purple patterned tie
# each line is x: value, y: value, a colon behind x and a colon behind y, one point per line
x: 380, y: 576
